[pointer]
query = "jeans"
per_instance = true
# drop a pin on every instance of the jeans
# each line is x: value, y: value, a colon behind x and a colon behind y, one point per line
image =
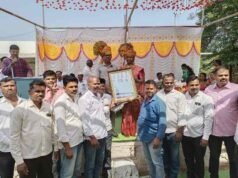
x: 215, y: 144
x: 70, y: 168
x: 154, y: 159
x: 107, y: 158
x: 194, y: 156
x: 40, y: 167
x: 171, y: 155
x: 6, y: 165
x: 94, y: 158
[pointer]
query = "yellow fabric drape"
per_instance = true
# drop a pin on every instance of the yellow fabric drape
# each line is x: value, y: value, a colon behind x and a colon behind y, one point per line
x: 163, y: 48
x: 88, y: 50
x: 197, y: 46
x: 142, y: 48
x: 72, y: 50
x: 184, y: 47
x: 52, y: 51
x: 41, y: 50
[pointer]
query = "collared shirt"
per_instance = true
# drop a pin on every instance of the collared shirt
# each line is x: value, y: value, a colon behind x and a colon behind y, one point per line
x: 92, y: 115
x: 199, y: 115
x: 31, y: 131
x: 152, y: 120
x: 226, y: 109
x: 107, y: 99
x: 175, y: 108
x: 236, y: 134
x: 5, y: 109
x: 48, y: 95
x: 103, y: 72
x: 68, y: 122
x: 87, y: 72
x: 82, y: 87
x: 20, y: 69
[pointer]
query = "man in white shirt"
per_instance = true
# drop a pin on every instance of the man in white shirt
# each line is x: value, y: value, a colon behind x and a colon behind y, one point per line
x: 95, y: 131
x: 69, y: 128
x: 199, y: 115
x: 90, y: 70
x: 106, y: 100
x: 59, y: 78
x: 7, y: 103
x: 82, y: 84
x: 32, y: 134
x: 175, y: 102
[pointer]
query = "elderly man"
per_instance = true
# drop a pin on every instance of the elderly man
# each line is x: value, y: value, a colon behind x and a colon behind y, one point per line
x: 225, y: 97
x: 95, y: 131
x: 15, y: 66
x: 199, y: 115
x: 32, y: 133
x: 7, y: 103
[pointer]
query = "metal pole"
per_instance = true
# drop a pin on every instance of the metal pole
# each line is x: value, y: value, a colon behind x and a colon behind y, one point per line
x: 43, y: 14
x: 125, y: 20
x: 203, y: 14
x: 22, y: 18
x: 133, y: 8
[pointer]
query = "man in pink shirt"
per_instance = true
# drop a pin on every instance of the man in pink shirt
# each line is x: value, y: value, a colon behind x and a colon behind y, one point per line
x: 225, y: 96
x: 52, y: 91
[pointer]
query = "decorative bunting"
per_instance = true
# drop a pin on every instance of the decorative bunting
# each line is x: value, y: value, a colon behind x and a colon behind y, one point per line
x: 74, y: 49
x: 94, y: 5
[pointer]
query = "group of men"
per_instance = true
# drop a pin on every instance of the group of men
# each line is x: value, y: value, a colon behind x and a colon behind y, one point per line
x: 61, y: 118
x: 196, y: 119
x: 30, y: 129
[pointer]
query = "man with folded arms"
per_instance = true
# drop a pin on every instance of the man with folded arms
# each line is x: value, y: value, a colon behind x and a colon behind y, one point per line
x: 32, y: 134
x: 7, y: 103
x: 69, y: 128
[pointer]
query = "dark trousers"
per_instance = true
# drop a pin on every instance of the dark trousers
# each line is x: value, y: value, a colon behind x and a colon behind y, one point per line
x: 236, y: 159
x: 215, y: 144
x: 39, y: 167
x: 194, y: 156
x: 6, y: 165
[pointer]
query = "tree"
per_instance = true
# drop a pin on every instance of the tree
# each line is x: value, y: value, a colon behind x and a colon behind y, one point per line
x: 221, y: 39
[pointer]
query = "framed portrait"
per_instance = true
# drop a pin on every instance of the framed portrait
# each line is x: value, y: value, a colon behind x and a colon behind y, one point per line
x: 122, y: 85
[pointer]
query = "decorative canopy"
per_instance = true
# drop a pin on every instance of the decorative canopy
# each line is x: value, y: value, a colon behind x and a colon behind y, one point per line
x: 94, y: 5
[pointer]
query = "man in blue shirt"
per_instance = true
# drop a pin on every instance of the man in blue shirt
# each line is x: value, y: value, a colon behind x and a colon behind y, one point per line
x: 151, y: 129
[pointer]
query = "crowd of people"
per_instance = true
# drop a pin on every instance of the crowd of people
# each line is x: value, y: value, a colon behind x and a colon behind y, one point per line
x: 65, y: 115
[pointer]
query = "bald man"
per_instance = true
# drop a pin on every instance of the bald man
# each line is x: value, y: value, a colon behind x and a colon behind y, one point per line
x: 94, y: 125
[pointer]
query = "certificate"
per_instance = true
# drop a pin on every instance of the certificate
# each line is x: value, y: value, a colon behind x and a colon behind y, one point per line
x: 123, y: 85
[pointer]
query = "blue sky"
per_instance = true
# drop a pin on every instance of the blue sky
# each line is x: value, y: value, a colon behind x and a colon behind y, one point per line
x: 15, y: 29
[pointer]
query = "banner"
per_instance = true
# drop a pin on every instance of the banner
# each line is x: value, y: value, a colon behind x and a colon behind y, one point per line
x: 159, y: 49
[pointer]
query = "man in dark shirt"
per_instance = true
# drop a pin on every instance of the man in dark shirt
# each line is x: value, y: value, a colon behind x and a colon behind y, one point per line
x: 15, y: 66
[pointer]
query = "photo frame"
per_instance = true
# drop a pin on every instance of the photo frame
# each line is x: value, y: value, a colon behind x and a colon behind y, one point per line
x: 123, y: 85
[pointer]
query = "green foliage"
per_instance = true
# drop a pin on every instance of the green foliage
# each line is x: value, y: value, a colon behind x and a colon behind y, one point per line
x: 221, y: 39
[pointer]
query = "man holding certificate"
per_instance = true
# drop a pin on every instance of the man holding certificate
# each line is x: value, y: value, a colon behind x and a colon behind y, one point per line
x: 130, y: 111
